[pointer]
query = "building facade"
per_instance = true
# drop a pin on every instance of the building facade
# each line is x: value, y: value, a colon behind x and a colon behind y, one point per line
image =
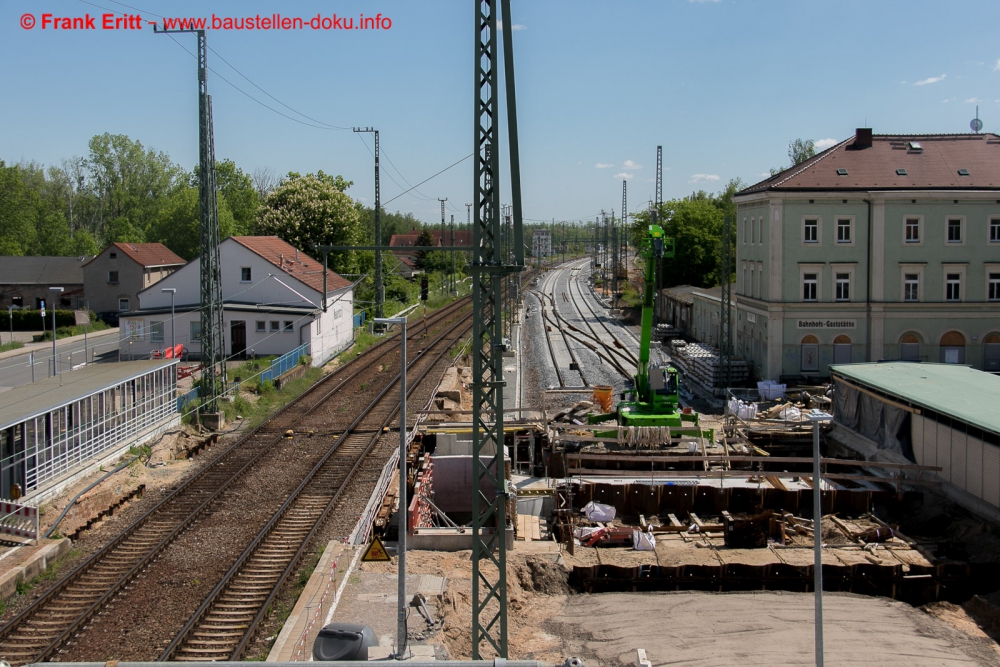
x: 273, y: 303
x: 541, y: 243
x: 881, y: 247
x: 113, y: 279
x: 25, y: 281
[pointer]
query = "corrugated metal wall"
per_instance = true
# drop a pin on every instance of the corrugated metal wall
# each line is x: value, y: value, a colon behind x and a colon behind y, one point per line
x: 966, y: 461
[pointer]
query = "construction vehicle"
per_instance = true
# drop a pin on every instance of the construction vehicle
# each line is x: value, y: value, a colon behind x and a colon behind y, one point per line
x: 650, y: 413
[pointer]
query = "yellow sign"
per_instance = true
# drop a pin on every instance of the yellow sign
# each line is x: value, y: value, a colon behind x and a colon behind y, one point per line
x: 376, y: 552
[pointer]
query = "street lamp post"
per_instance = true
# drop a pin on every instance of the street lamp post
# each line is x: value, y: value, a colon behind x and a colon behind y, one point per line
x: 817, y: 417
x: 173, y: 291
x: 10, y: 320
x: 403, y: 523
x: 55, y: 367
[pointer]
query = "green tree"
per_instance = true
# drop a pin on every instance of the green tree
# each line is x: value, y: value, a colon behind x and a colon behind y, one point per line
x: 129, y: 183
x: 801, y: 150
x: 18, y: 211
x: 237, y: 188
x: 310, y: 210
x: 425, y: 240
x: 178, y: 222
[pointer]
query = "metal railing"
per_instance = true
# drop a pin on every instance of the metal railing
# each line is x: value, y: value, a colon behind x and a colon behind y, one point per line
x: 285, y: 363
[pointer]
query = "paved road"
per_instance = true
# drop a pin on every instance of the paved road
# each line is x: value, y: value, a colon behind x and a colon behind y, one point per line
x: 16, y: 370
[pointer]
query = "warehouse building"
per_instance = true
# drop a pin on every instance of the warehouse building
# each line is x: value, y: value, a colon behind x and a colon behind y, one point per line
x: 53, y: 430
x: 931, y: 414
x: 881, y: 247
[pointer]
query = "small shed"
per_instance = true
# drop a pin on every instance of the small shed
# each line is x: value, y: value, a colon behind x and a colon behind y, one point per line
x: 930, y: 414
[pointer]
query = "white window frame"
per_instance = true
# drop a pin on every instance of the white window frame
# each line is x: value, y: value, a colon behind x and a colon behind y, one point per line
x: 818, y: 274
x: 849, y: 269
x: 850, y: 230
x: 288, y: 326
x: 194, y: 329
x: 947, y: 269
x: 961, y: 230
x: 260, y: 326
x: 920, y: 230
x: 917, y: 269
x: 249, y: 270
x: 120, y: 301
x: 819, y: 230
x: 993, y: 223
x: 837, y: 282
x: 155, y: 337
x: 995, y: 270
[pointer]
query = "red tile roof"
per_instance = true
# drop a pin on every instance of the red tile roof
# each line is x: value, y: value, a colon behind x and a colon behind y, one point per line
x: 931, y: 161
x: 296, y: 264
x: 148, y: 254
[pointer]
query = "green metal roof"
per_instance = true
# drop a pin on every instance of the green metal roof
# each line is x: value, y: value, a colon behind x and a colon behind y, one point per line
x: 30, y: 400
x: 960, y: 392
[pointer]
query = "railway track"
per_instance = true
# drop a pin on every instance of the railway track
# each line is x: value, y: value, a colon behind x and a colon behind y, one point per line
x: 62, y: 613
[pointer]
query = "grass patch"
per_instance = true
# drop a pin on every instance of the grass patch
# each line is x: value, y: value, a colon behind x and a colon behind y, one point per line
x: 75, y: 330
x: 50, y: 573
x: 271, y: 400
x: 249, y: 371
x: 12, y: 345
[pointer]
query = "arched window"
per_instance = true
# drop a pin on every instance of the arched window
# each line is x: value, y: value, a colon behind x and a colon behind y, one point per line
x: 842, y: 349
x: 953, y: 348
x: 909, y: 347
x: 810, y: 353
x: 991, y: 352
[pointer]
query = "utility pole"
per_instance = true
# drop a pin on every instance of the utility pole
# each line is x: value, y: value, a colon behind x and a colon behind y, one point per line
x: 442, y: 226
x: 489, y: 509
x: 379, y: 284
x: 624, y: 236
x: 213, y: 356
x: 453, y: 280
x: 657, y: 205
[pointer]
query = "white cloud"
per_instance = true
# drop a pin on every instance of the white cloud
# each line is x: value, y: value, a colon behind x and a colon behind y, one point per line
x: 933, y: 79
x: 623, y: 176
x: 700, y: 178
x: 973, y: 100
x: 996, y: 68
x: 764, y: 174
x: 949, y: 99
x: 823, y: 144
x: 515, y: 27
x: 603, y: 165
x: 631, y: 165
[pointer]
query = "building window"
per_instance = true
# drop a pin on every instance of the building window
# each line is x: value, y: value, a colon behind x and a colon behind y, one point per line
x: 753, y: 230
x: 993, y: 290
x: 810, y: 230
x: 912, y: 230
x: 195, y: 330
x: 809, y: 281
x: 995, y: 230
x: 843, y: 287
x: 156, y: 332
x: 760, y: 280
x: 753, y: 292
x: 17, y: 301
x: 745, y: 284
x: 288, y: 327
x: 953, y: 287
x: 744, y: 231
x: 844, y: 230
x: 244, y: 274
x: 113, y: 255
x: 909, y: 348
x: 275, y: 326
x: 113, y: 277
x: 261, y: 326
x: 122, y: 304
x: 911, y: 284
x: 842, y: 349
x: 954, y: 230
x: 337, y: 314
x: 760, y: 231
x: 952, y: 348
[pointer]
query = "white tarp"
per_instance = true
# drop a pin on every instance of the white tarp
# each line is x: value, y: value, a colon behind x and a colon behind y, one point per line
x: 643, y: 541
x: 791, y: 414
x: 598, y: 512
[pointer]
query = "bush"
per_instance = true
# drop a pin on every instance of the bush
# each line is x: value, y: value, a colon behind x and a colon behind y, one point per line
x: 31, y: 320
x: 266, y: 387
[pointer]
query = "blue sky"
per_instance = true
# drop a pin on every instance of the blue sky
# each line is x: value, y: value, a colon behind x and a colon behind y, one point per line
x: 722, y: 86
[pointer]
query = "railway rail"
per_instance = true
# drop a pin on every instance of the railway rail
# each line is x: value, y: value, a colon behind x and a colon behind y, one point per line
x: 62, y: 613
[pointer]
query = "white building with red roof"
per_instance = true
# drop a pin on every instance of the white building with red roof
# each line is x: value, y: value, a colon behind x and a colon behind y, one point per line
x: 274, y: 301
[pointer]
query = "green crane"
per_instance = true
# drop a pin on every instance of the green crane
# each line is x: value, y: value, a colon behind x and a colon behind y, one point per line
x: 654, y: 405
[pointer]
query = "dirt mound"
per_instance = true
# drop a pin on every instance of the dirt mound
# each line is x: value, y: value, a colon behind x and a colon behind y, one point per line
x: 541, y: 575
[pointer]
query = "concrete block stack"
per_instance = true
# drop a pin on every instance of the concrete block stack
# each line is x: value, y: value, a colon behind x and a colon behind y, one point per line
x: 701, y: 363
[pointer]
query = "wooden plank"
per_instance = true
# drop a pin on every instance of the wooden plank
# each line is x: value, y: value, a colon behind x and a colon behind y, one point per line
x: 673, y: 520
x: 884, y: 399
x: 642, y: 522
x: 640, y: 476
x: 536, y: 529
x: 683, y: 529
x: 697, y: 521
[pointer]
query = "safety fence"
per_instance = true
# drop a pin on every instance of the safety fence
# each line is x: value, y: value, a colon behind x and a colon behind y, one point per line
x: 284, y: 363
x: 18, y: 519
